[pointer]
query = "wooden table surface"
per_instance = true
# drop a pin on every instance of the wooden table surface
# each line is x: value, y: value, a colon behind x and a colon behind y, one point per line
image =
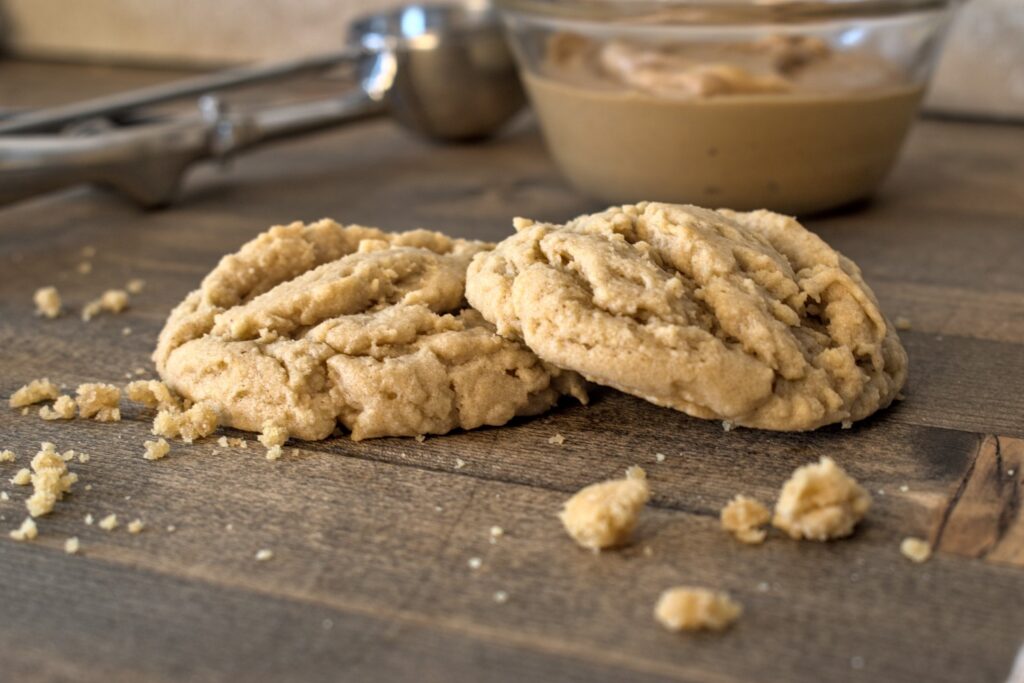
x: 369, y: 579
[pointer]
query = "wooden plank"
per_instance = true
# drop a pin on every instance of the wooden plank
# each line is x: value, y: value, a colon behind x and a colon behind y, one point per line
x: 367, y: 538
x: 984, y: 517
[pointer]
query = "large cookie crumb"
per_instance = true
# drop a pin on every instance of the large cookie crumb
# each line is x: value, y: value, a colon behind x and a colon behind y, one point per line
x: 603, y: 515
x: 26, y: 532
x: 820, y: 502
x: 63, y: 409
x: 156, y: 449
x: 112, y: 300
x: 152, y: 393
x: 685, y: 608
x: 743, y: 517
x: 50, y: 480
x: 99, y: 401
x: 36, y: 391
x: 47, y: 301
x: 198, y: 421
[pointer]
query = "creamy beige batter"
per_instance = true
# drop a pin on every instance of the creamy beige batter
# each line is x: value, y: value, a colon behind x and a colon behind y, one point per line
x: 785, y: 124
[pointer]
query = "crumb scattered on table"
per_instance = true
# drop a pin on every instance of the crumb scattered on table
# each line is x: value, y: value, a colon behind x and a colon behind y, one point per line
x: 500, y: 597
x: 99, y: 401
x: 264, y: 554
x: 88, y: 519
x: 744, y: 518
x: 136, y: 526
x: 135, y: 285
x: 475, y: 563
x: 903, y: 323
x: 63, y: 409
x: 198, y: 421
x: 108, y: 523
x: 156, y: 449
x: 47, y: 301
x: 50, y: 480
x: 112, y: 301
x: 152, y: 393
x: 36, y: 391
x: 916, y: 549
x: 26, y: 532
x: 22, y: 477
x: 603, y: 515
x: 72, y: 545
x: 7, y: 455
x: 686, y: 608
x: 820, y: 502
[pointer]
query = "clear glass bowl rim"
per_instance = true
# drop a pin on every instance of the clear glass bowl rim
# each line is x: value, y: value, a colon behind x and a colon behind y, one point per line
x: 683, y: 12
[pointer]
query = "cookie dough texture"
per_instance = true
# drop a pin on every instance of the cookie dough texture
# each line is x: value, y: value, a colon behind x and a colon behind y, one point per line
x: 744, y: 317
x: 820, y: 502
x: 312, y: 325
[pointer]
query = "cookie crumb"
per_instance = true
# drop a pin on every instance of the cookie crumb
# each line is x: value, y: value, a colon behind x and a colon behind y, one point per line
x: 846, y: 424
x: 820, y: 502
x: 47, y: 301
x: 273, y: 436
x: 603, y: 515
x: 556, y: 440
x: 198, y: 421
x: 500, y: 597
x: 112, y: 300
x: 459, y: 463
x: 904, y: 488
x: 4, y: 496
x: 50, y: 480
x: 496, y: 532
x: 88, y: 519
x: 84, y: 268
x: 136, y: 526
x: 264, y: 554
x: 156, y: 449
x: 22, y: 477
x: 659, y: 457
x: 727, y: 425
x: 902, y: 323
x: 72, y: 545
x: 135, y: 285
x: 475, y: 563
x: 84, y: 458
x: 99, y: 401
x: 26, y: 532
x: 36, y: 391
x: 743, y: 517
x: 152, y: 393
x: 126, y: 331
x: 63, y: 409
x: 108, y: 523
x: 686, y: 608
x: 171, y: 528
x: 7, y: 456
x: 915, y: 549
x: 421, y: 438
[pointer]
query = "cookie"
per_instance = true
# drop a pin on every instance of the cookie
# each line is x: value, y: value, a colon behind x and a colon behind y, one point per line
x: 743, y: 317
x: 308, y: 326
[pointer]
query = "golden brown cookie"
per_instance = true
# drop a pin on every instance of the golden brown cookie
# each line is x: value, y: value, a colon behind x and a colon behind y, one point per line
x: 743, y: 317
x: 311, y: 325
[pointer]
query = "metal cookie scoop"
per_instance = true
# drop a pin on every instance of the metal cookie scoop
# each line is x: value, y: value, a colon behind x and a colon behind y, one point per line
x: 442, y: 71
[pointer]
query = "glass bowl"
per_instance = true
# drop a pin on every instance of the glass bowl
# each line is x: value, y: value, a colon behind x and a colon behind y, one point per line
x: 795, y: 106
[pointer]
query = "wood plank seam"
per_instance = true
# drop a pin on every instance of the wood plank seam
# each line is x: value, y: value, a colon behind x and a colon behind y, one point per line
x: 983, y: 519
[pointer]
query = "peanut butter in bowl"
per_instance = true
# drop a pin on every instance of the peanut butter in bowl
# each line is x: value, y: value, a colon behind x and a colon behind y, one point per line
x: 783, y: 119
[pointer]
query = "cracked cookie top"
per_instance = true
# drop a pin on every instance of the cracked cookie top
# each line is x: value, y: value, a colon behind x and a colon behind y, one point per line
x: 743, y: 317
x: 308, y: 326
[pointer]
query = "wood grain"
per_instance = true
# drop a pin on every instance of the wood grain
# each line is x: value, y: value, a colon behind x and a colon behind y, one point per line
x: 371, y: 540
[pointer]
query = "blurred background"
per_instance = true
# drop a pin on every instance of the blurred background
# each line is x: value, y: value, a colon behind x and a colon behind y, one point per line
x: 981, y: 73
